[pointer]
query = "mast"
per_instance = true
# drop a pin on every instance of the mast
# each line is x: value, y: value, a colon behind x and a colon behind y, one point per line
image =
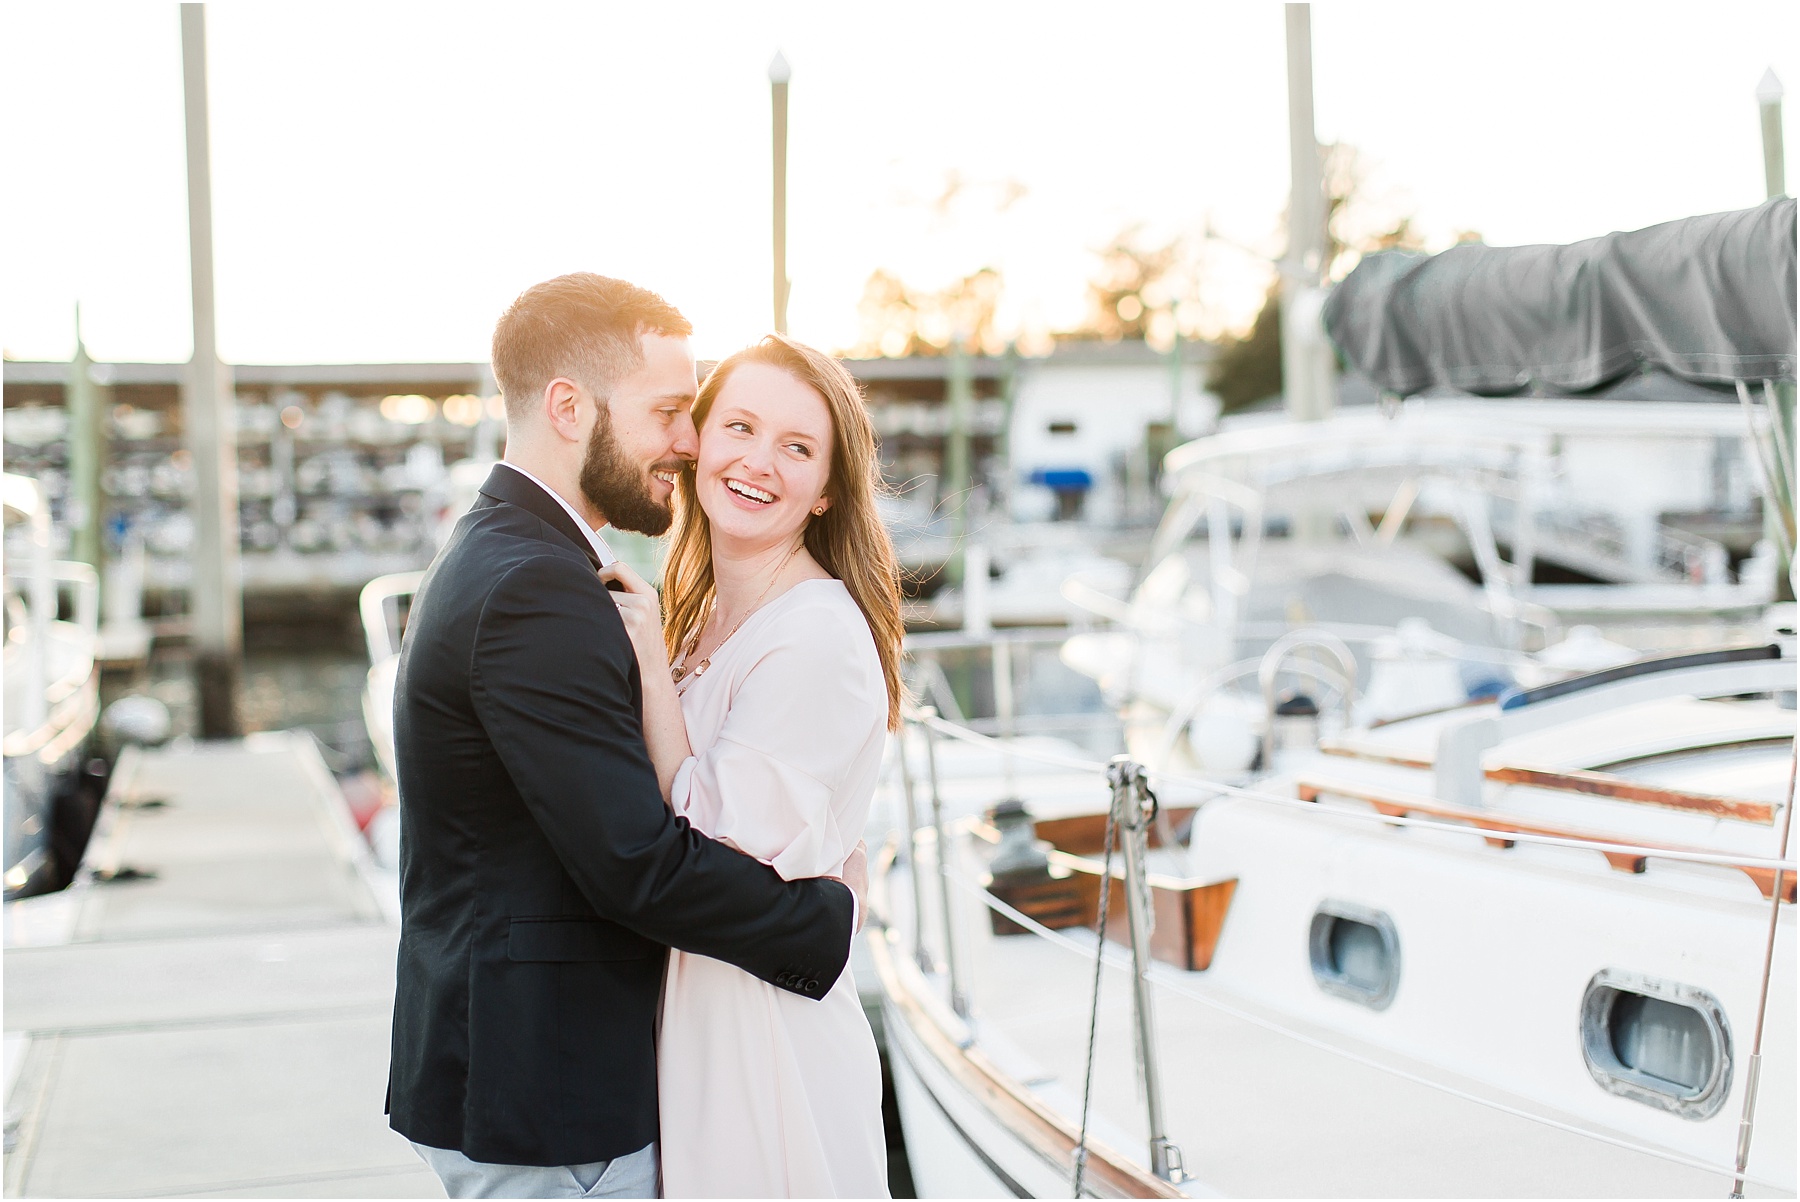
x: 1308, y: 367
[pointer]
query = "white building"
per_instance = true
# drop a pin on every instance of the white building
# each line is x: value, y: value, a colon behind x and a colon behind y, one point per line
x: 1083, y: 429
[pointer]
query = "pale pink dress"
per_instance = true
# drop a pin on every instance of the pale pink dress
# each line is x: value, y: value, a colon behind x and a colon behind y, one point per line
x: 765, y: 1093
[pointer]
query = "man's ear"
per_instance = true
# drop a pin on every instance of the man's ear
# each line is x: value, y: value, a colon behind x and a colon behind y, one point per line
x: 562, y: 408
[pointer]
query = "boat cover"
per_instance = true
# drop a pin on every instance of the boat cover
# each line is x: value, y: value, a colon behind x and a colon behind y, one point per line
x: 1707, y: 299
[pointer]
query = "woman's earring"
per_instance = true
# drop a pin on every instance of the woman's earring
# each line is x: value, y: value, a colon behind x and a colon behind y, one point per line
x: 819, y: 511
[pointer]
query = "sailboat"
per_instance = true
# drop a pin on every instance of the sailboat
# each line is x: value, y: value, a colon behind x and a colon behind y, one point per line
x: 1528, y: 934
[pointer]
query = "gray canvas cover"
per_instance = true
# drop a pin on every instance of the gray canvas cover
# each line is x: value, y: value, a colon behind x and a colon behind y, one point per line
x: 1707, y: 299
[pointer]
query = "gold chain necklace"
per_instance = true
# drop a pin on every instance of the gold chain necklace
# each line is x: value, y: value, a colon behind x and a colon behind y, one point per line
x: 679, y: 671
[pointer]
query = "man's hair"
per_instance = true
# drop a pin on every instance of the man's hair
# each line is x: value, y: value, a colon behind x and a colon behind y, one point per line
x: 582, y: 326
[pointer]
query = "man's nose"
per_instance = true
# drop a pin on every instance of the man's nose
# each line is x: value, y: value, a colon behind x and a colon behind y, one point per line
x: 687, y: 439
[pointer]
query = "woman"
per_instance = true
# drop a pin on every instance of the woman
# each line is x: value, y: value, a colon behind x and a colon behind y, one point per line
x: 767, y: 732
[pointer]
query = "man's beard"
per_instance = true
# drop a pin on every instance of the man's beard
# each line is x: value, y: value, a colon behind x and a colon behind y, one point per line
x: 618, y: 487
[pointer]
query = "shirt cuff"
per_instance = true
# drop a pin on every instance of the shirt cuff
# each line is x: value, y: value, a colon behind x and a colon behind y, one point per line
x: 683, y: 784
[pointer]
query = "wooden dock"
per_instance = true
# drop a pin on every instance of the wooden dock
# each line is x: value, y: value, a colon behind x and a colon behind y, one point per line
x: 206, y: 1011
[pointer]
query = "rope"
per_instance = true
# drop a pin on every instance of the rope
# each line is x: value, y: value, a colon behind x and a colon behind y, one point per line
x: 1087, y: 1089
x: 1120, y: 961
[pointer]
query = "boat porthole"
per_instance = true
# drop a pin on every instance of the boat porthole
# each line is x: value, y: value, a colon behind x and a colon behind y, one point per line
x: 1657, y: 1042
x: 1355, y: 953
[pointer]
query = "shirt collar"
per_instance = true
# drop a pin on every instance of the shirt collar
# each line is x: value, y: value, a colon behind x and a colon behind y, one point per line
x: 601, y: 550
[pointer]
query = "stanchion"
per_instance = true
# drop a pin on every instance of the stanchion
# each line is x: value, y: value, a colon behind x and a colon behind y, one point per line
x: 959, y: 1001
x: 920, y: 955
x: 1135, y: 807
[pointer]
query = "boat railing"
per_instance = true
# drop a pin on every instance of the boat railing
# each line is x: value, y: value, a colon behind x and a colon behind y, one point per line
x: 382, y: 605
x: 1131, y: 815
x: 83, y: 589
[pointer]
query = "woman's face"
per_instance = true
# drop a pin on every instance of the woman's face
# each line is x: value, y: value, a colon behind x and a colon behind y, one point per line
x: 765, y: 457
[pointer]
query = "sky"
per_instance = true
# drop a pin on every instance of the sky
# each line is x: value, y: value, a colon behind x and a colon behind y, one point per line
x: 387, y: 177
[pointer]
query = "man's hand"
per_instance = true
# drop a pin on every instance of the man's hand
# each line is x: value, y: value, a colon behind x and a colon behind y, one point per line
x: 856, y: 875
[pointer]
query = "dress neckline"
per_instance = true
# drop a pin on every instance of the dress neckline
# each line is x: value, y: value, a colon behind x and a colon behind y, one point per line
x: 767, y: 607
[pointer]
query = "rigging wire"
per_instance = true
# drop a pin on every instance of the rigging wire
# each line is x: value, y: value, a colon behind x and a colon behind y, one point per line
x: 1747, y: 1124
x: 1087, y: 1089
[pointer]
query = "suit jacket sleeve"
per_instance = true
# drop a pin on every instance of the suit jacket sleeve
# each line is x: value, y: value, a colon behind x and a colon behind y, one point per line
x: 553, y: 679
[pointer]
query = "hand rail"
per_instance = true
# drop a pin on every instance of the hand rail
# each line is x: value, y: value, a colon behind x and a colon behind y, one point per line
x: 1270, y: 669
x: 1220, y: 788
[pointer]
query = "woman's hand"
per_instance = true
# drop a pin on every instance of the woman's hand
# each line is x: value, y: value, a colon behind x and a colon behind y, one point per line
x: 665, y: 729
x: 641, y: 609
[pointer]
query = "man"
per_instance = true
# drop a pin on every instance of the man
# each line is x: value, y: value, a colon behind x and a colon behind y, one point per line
x: 541, y: 874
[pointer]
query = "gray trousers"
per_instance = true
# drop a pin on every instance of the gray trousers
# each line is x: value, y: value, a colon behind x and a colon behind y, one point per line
x: 633, y: 1176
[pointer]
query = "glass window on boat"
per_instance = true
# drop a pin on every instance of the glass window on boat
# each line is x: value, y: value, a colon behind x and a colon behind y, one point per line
x: 1658, y: 1042
x: 1355, y: 953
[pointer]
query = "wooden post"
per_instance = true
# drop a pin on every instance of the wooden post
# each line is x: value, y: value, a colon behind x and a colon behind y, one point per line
x: 87, y: 453
x: 208, y: 402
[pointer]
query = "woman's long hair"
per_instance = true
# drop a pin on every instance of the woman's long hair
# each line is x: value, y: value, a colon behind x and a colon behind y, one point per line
x: 848, y: 540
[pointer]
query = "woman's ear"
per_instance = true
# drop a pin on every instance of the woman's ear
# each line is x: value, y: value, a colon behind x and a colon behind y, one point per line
x: 820, y: 506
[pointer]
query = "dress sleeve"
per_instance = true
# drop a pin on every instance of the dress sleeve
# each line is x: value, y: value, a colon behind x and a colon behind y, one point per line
x: 800, y: 719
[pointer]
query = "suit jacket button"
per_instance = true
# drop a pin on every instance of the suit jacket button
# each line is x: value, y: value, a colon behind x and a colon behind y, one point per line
x: 812, y: 987
x: 782, y: 979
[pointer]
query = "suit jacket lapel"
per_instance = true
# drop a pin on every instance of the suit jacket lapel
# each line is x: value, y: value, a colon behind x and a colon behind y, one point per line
x: 506, y: 486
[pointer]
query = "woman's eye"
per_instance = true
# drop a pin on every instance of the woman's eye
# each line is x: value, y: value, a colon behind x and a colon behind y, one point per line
x: 740, y: 427
x: 800, y: 448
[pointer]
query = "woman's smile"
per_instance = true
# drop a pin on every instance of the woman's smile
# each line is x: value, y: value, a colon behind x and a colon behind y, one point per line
x: 760, y: 496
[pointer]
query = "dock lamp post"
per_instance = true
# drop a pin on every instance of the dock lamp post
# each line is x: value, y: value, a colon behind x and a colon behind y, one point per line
x: 1769, y: 93
x: 779, y: 74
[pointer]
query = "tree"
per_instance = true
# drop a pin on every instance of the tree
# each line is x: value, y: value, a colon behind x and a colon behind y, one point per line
x: 898, y: 321
x: 1248, y: 368
x: 1134, y: 283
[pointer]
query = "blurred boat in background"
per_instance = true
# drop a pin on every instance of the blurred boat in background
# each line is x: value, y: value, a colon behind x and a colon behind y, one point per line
x: 53, y: 782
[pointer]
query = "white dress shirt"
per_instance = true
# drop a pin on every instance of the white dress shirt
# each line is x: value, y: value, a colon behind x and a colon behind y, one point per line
x: 593, y: 535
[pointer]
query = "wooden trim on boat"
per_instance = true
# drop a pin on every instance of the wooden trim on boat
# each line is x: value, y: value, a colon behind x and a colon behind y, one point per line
x: 1085, y: 834
x: 1374, y: 755
x: 1618, y: 788
x: 1109, y: 1173
x: 1397, y: 804
x: 1189, y: 914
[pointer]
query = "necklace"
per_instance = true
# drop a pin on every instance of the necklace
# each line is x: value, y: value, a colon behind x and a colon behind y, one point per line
x: 679, y: 672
